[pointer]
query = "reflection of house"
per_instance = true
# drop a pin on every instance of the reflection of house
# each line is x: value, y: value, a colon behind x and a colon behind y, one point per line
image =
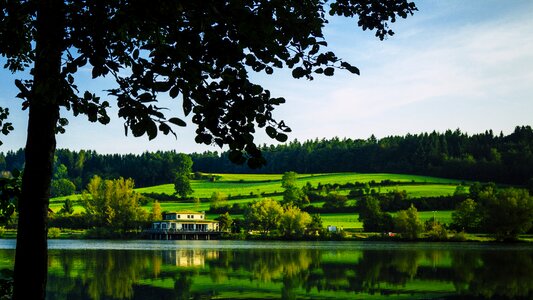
x: 185, y: 224
x: 189, y: 257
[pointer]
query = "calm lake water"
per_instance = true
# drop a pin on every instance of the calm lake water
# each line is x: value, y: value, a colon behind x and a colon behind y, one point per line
x: 283, y: 270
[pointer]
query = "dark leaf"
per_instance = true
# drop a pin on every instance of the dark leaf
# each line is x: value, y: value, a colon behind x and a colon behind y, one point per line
x: 329, y: 71
x: 174, y: 92
x: 350, y: 68
x: 187, y: 105
x: 164, y: 128
x: 236, y: 157
x: 282, y: 137
x: 146, y: 97
x: 177, y: 121
x: 151, y: 129
x: 256, y: 89
x: 298, y: 72
x: 271, y: 132
x: 162, y: 86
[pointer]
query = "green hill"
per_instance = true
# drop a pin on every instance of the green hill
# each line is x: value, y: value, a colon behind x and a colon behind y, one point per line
x: 244, y: 184
x: 250, y: 187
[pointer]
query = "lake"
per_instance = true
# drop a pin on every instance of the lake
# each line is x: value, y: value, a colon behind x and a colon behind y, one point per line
x: 98, y: 270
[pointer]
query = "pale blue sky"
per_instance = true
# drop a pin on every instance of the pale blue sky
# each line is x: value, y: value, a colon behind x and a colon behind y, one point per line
x: 454, y: 64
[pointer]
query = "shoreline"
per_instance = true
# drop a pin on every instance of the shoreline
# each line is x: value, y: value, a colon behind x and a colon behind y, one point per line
x: 69, y: 234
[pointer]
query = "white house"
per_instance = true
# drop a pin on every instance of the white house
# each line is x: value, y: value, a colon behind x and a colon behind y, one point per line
x: 185, y: 221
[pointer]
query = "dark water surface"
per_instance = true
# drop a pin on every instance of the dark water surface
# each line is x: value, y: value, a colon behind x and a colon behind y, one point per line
x: 284, y: 270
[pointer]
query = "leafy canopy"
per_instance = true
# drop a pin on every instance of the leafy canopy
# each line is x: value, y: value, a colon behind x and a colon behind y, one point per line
x: 113, y: 203
x: 508, y: 213
x: 10, y: 190
x: 198, y: 52
x: 408, y: 224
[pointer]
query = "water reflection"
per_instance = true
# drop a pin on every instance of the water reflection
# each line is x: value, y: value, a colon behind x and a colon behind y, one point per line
x: 289, y: 274
x: 494, y: 274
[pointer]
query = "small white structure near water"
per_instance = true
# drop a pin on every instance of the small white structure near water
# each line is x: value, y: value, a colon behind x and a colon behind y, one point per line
x: 181, y: 224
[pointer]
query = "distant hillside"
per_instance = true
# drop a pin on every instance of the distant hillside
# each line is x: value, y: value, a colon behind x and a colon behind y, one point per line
x: 238, y: 190
x: 452, y: 154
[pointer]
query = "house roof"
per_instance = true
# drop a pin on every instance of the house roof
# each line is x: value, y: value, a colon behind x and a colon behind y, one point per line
x: 186, y: 221
x: 185, y: 211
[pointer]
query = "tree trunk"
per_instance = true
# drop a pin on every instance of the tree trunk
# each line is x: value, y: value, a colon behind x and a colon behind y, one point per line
x: 31, y: 260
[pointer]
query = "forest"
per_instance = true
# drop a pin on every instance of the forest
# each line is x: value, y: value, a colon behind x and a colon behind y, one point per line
x: 453, y: 154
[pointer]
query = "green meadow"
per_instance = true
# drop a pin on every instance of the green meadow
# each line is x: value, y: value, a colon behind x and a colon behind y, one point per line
x: 250, y: 187
x: 255, y: 184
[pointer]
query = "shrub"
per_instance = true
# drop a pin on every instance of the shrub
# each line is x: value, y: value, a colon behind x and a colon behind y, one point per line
x: 101, y: 233
x: 75, y: 221
x: 438, y: 233
x: 459, y: 236
x: 335, y: 201
x: 54, y: 233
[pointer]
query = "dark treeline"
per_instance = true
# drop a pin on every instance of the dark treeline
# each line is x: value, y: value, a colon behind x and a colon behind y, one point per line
x: 453, y: 154
x: 147, y: 169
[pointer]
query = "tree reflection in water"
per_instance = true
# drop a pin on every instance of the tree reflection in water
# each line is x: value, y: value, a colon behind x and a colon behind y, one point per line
x: 289, y: 274
x: 494, y: 274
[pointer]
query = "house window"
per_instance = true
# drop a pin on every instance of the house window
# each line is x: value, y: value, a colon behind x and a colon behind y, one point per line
x: 179, y: 216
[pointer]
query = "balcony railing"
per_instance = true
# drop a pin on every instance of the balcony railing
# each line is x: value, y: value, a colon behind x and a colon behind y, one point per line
x: 172, y: 230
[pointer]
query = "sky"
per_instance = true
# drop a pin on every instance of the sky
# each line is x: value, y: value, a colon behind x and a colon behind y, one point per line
x: 454, y: 64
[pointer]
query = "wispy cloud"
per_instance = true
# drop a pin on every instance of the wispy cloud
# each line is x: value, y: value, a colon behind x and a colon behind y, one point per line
x: 492, y: 60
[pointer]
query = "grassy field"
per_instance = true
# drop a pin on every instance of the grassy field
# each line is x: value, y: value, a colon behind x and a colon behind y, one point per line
x: 350, y: 220
x: 342, y: 220
x: 253, y: 186
x: 443, y: 216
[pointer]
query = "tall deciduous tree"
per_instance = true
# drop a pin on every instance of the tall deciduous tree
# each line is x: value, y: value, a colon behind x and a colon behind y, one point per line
x: 264, y: 215
x: 182, y: 183
x: 292, y: 195
x: 294, y: 222
x: 113, y: 203
x: 374, y: 220
x: 62, y: 187
x: 467, y: 216
x: 407, y: 223
x: 67, y: 208
x: 225, y: 221
x: 199, y: 52
x: 508, y: 213
x: 156, y: 214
